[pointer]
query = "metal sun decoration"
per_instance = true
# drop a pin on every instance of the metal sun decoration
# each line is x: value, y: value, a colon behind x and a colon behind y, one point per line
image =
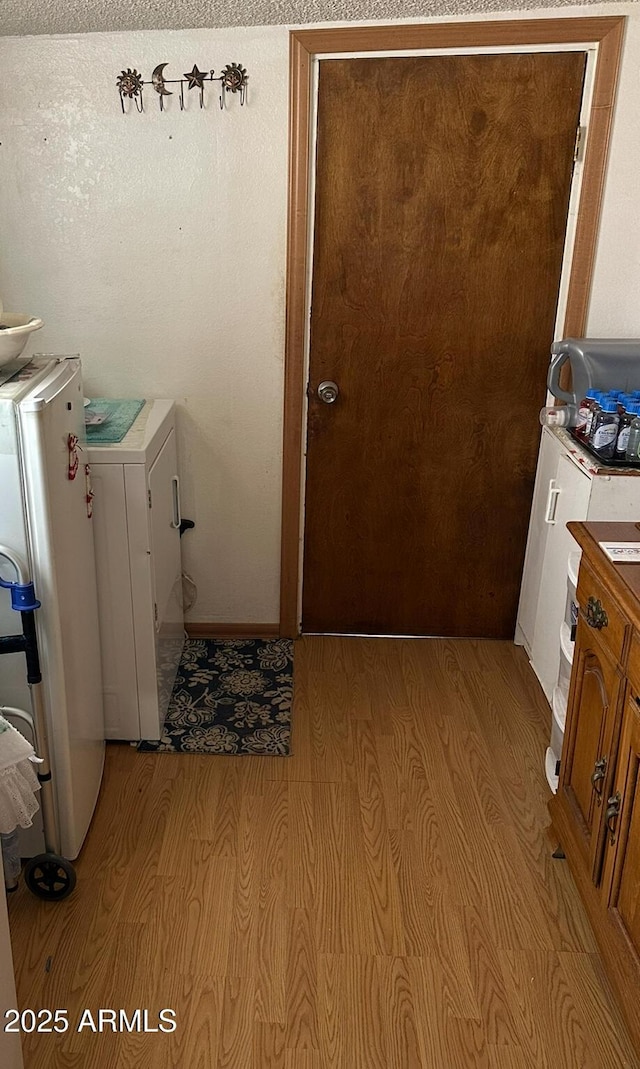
x: 130, y: 84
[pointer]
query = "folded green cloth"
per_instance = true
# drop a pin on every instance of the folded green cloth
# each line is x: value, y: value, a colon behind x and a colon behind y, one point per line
x: 121, y: 415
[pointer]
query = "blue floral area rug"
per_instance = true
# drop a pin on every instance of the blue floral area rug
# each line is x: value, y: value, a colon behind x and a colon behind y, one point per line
x: 230, y: 697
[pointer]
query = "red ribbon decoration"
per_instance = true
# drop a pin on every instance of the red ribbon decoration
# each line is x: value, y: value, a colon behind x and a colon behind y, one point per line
x: 89, y: 496
x: 72, y: 445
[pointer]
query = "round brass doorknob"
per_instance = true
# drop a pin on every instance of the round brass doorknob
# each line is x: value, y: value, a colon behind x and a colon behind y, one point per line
x: 328, y: 392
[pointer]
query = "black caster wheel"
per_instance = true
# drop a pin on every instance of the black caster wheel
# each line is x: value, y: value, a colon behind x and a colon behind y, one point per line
x: 50, y: 876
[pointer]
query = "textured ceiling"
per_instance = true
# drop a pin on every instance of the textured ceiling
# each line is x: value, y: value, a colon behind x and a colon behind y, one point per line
x: 25, y: 17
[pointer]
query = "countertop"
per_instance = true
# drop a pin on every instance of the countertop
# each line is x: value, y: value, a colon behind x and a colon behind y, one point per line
x: 624, y: 579
x: 584, y: 459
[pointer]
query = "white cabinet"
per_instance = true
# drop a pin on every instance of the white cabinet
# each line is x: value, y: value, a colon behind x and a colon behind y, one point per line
x: 137, y: 519
x: 570, y: 485
x: 544, y: 499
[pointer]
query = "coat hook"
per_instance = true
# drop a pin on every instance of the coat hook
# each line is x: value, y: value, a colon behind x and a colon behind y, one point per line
x: 129, y: 83
x: 233, y: 80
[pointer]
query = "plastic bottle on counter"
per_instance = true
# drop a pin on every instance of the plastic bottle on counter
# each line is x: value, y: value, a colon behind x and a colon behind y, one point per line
x: 633, y: 441
x: 604, y: 431
x: 585, y: 414
x: 596, y: 406
x: 611, y: 397
x: 624, y: 428
x: 559, y: 416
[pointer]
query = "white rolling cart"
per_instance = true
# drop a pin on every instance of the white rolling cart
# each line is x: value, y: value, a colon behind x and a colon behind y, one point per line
x: 137, y: 531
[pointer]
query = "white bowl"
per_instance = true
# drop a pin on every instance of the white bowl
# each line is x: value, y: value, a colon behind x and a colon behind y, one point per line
x: 15, y: 335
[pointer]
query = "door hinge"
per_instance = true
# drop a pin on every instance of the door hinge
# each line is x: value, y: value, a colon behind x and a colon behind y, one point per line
x: 155, y: 613
x: 149, y: 497
x: 578, y: 148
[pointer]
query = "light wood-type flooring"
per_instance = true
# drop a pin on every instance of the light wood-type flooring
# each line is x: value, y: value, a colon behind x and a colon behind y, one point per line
x: 383, y: 899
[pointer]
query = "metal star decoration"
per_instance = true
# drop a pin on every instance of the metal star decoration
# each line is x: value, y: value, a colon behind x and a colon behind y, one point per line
x: 195, y: 78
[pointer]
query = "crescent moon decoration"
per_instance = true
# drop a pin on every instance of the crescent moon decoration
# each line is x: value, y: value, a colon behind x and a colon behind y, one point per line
x: 157, y: 81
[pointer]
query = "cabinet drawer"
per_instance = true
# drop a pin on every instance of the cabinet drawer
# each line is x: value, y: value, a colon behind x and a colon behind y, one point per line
x: 598, y: 607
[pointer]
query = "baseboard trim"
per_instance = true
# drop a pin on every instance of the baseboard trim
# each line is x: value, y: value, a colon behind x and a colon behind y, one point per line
x: 213, y: 630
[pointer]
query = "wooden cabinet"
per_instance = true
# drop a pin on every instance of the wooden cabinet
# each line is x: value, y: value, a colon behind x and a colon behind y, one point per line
x: 621, y: 875
x: 596, y: 812
x: 585, y: 771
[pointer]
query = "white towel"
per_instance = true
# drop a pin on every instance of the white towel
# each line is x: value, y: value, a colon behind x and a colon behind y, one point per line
x: 18, y: 779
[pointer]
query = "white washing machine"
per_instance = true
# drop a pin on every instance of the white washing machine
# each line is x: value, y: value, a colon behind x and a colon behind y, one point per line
x: 137, y: 536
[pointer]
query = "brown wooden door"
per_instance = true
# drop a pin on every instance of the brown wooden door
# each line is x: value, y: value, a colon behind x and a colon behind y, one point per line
x: 586, y: 769
x: 441, y: 200
x: 621, y: 880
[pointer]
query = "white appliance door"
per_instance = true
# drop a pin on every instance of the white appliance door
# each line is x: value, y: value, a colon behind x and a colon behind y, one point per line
x: 62, y: 552
x: 167, y: 568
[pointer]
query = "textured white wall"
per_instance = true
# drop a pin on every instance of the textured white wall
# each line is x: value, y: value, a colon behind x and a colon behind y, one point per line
x: 614, y: 311
x: 154, y: 245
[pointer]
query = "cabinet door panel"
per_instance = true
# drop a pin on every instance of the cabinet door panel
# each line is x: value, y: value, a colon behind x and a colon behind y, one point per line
x: 573, y: 486
x: 586, y: 770
x: 165, y: 537
x: 167, y: 569
x: 621, y: 883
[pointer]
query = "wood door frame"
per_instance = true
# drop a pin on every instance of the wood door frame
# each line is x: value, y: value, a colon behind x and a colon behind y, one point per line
x: 304, y: 46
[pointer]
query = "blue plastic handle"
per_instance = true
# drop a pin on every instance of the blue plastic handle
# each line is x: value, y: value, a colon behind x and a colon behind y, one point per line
x: 23, y: 596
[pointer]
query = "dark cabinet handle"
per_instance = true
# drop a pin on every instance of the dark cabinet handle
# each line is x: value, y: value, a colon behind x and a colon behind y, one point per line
x: 597, y: 777
x: 611, y: 815
x: 596, y: 615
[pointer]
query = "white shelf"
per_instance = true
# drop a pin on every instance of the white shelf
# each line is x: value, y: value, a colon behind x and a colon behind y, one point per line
x: 572, y: 567
x: 566, y: 645
x: 559, y: 708
x: 550, y: 761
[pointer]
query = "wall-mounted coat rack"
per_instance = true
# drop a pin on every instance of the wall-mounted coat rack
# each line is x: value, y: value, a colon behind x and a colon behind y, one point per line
x: 130, y: 84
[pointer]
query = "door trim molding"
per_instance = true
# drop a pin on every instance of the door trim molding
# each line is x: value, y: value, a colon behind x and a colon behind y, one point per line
x: 304, y: 46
